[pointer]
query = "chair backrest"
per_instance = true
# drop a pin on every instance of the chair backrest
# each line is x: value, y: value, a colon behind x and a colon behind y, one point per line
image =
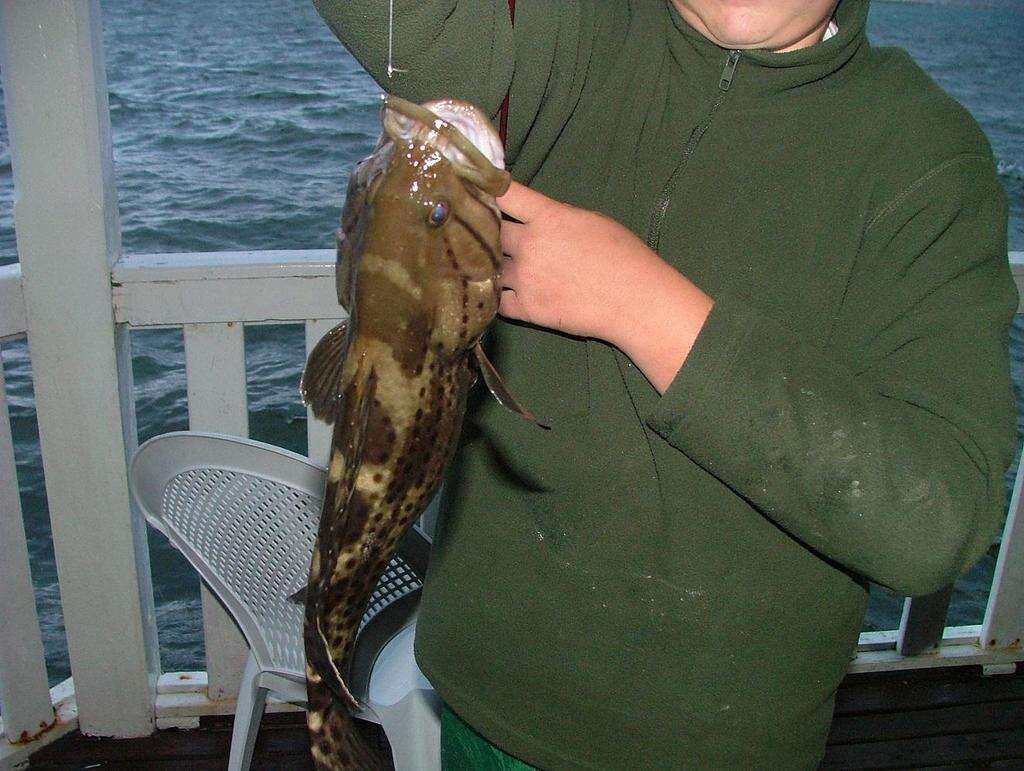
x: 245, y: 515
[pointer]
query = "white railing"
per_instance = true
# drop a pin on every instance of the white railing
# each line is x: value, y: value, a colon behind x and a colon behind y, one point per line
x: 24, y: 694
x: 211, y: 296
x: 78, y: 299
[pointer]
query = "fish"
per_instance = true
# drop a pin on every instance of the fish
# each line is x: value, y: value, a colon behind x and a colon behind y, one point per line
x: 419, y: 270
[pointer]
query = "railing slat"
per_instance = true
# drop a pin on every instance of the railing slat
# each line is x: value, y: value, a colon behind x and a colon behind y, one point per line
x: 1004, y: 616
x: 12, y: 302
x: 164, y: 289
x: 217, y: 401
x: 24, y: 692
x: 923, y: 622
x: 1017, y: 268
x: 66, y: 224
x: 318, y: 433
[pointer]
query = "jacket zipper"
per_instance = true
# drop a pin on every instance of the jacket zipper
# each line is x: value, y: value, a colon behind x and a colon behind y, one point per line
x: 664, y: 199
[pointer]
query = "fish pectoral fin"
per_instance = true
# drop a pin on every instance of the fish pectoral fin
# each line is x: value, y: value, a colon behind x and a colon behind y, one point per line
x: 500, y: 391
x: 328, y: 670
x: 299, y: 598
x: 322, y: 383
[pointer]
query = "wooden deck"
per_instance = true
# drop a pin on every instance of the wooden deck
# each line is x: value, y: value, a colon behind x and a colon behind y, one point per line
x: 947, y: 718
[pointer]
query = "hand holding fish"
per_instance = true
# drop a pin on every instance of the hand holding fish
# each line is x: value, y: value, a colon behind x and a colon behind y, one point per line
x: 583, y: 273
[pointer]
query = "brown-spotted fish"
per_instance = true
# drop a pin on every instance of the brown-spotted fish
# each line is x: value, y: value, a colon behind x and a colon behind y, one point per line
x: 419, y: 266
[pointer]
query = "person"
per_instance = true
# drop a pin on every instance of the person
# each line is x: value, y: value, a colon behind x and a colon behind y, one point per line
x: 757, y: 282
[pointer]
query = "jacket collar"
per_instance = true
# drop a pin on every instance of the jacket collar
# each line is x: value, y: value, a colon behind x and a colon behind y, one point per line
x: 760, y: 72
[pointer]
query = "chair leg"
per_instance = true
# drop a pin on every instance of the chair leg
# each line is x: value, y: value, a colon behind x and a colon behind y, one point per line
x: 252, y: 698
x: 413, y: 728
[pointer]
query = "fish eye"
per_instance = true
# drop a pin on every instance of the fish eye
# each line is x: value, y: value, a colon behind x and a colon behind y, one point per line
x: 439, y: 213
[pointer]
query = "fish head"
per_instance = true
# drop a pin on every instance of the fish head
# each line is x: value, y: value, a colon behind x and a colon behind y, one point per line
x: 421, y: 214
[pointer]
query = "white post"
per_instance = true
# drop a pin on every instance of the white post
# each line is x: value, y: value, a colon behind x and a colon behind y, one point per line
x: 318, y: 433
x: 66, y: 222
x: 1004, y: 617
x: 24, y: 692
x: 217, y: 401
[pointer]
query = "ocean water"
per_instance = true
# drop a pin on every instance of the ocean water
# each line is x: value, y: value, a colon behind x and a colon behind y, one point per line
x: 237, y: 130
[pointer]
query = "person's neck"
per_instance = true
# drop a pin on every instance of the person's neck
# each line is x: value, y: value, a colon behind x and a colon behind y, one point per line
x: 812, y: 38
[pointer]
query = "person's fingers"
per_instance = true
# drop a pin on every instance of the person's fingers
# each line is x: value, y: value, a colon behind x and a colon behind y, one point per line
x: 511, y: 237
x: 523, y: 203
x: 509, y: 306
x: 509, y: 274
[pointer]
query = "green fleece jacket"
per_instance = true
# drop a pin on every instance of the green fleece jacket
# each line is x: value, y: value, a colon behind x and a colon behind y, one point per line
x: 678, y: 580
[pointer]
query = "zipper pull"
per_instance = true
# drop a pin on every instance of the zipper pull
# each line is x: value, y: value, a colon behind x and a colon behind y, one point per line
x: 729, y: 71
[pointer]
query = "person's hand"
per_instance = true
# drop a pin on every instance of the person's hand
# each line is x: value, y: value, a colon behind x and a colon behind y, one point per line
x: 583, y: 273
x: 566, y: 266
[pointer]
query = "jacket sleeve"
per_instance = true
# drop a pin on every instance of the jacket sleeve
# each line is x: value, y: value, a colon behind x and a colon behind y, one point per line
x: 467, y: 49
x: 457, y: 48
x: 885, y: 450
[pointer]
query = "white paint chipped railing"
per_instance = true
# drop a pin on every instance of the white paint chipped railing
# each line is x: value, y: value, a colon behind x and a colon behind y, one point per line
x: 68, y: 237
x: 210, y: 296
x: 24, y: 692
x: 181, y: 289
x: 215, y: 378
x: 32, y: 713
x: 193, y: 291
x: 78, y: 298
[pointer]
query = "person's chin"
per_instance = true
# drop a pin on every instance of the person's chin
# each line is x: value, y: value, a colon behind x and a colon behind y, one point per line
x: 741, y: 41
x: 744, y: 38
x: 742, y: 35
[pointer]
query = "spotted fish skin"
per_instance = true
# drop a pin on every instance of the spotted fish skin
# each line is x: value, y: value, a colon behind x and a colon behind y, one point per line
x: 419, y: 263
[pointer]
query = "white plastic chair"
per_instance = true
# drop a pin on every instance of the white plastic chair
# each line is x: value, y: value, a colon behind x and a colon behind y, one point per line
x: 245, y: 515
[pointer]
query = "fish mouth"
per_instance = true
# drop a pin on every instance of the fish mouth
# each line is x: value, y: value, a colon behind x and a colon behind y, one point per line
x: 459, y: 131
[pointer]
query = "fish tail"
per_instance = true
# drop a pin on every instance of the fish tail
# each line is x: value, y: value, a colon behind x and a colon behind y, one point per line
x: 334, y: 741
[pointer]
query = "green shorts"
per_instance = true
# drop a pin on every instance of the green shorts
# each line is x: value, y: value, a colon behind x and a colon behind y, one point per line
x: 463, y: 749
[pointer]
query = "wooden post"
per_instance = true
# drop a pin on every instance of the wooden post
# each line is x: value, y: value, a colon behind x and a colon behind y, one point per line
x: 217, y: 401
x: 24, y: 692
x: 923, y: 622
x: 66, y: 223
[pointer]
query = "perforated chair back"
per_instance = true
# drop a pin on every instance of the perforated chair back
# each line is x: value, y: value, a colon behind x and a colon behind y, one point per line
x: 245, y: 515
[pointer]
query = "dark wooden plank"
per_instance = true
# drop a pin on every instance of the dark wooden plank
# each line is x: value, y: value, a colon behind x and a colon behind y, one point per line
x: 178, y: 764
x: 278, y: 738
x: 965, y: 750
x: 947, y: 687
x: 942, y: 718
x: 283, y: 743
x: 961, y: 719
x: 295, y: 763
x: 162, y: 745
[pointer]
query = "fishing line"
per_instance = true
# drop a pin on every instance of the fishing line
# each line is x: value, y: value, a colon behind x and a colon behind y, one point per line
x: 391, y: 40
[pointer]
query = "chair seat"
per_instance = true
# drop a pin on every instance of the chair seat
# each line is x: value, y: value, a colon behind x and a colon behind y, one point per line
x: 245, y: 515
x: 395, y: 672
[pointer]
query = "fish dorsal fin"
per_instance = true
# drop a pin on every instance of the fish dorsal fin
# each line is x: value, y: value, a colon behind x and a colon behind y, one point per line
x: 499, y: 390
x: 350, y: 432
x: 322, y: 383
x: 353, y: 453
